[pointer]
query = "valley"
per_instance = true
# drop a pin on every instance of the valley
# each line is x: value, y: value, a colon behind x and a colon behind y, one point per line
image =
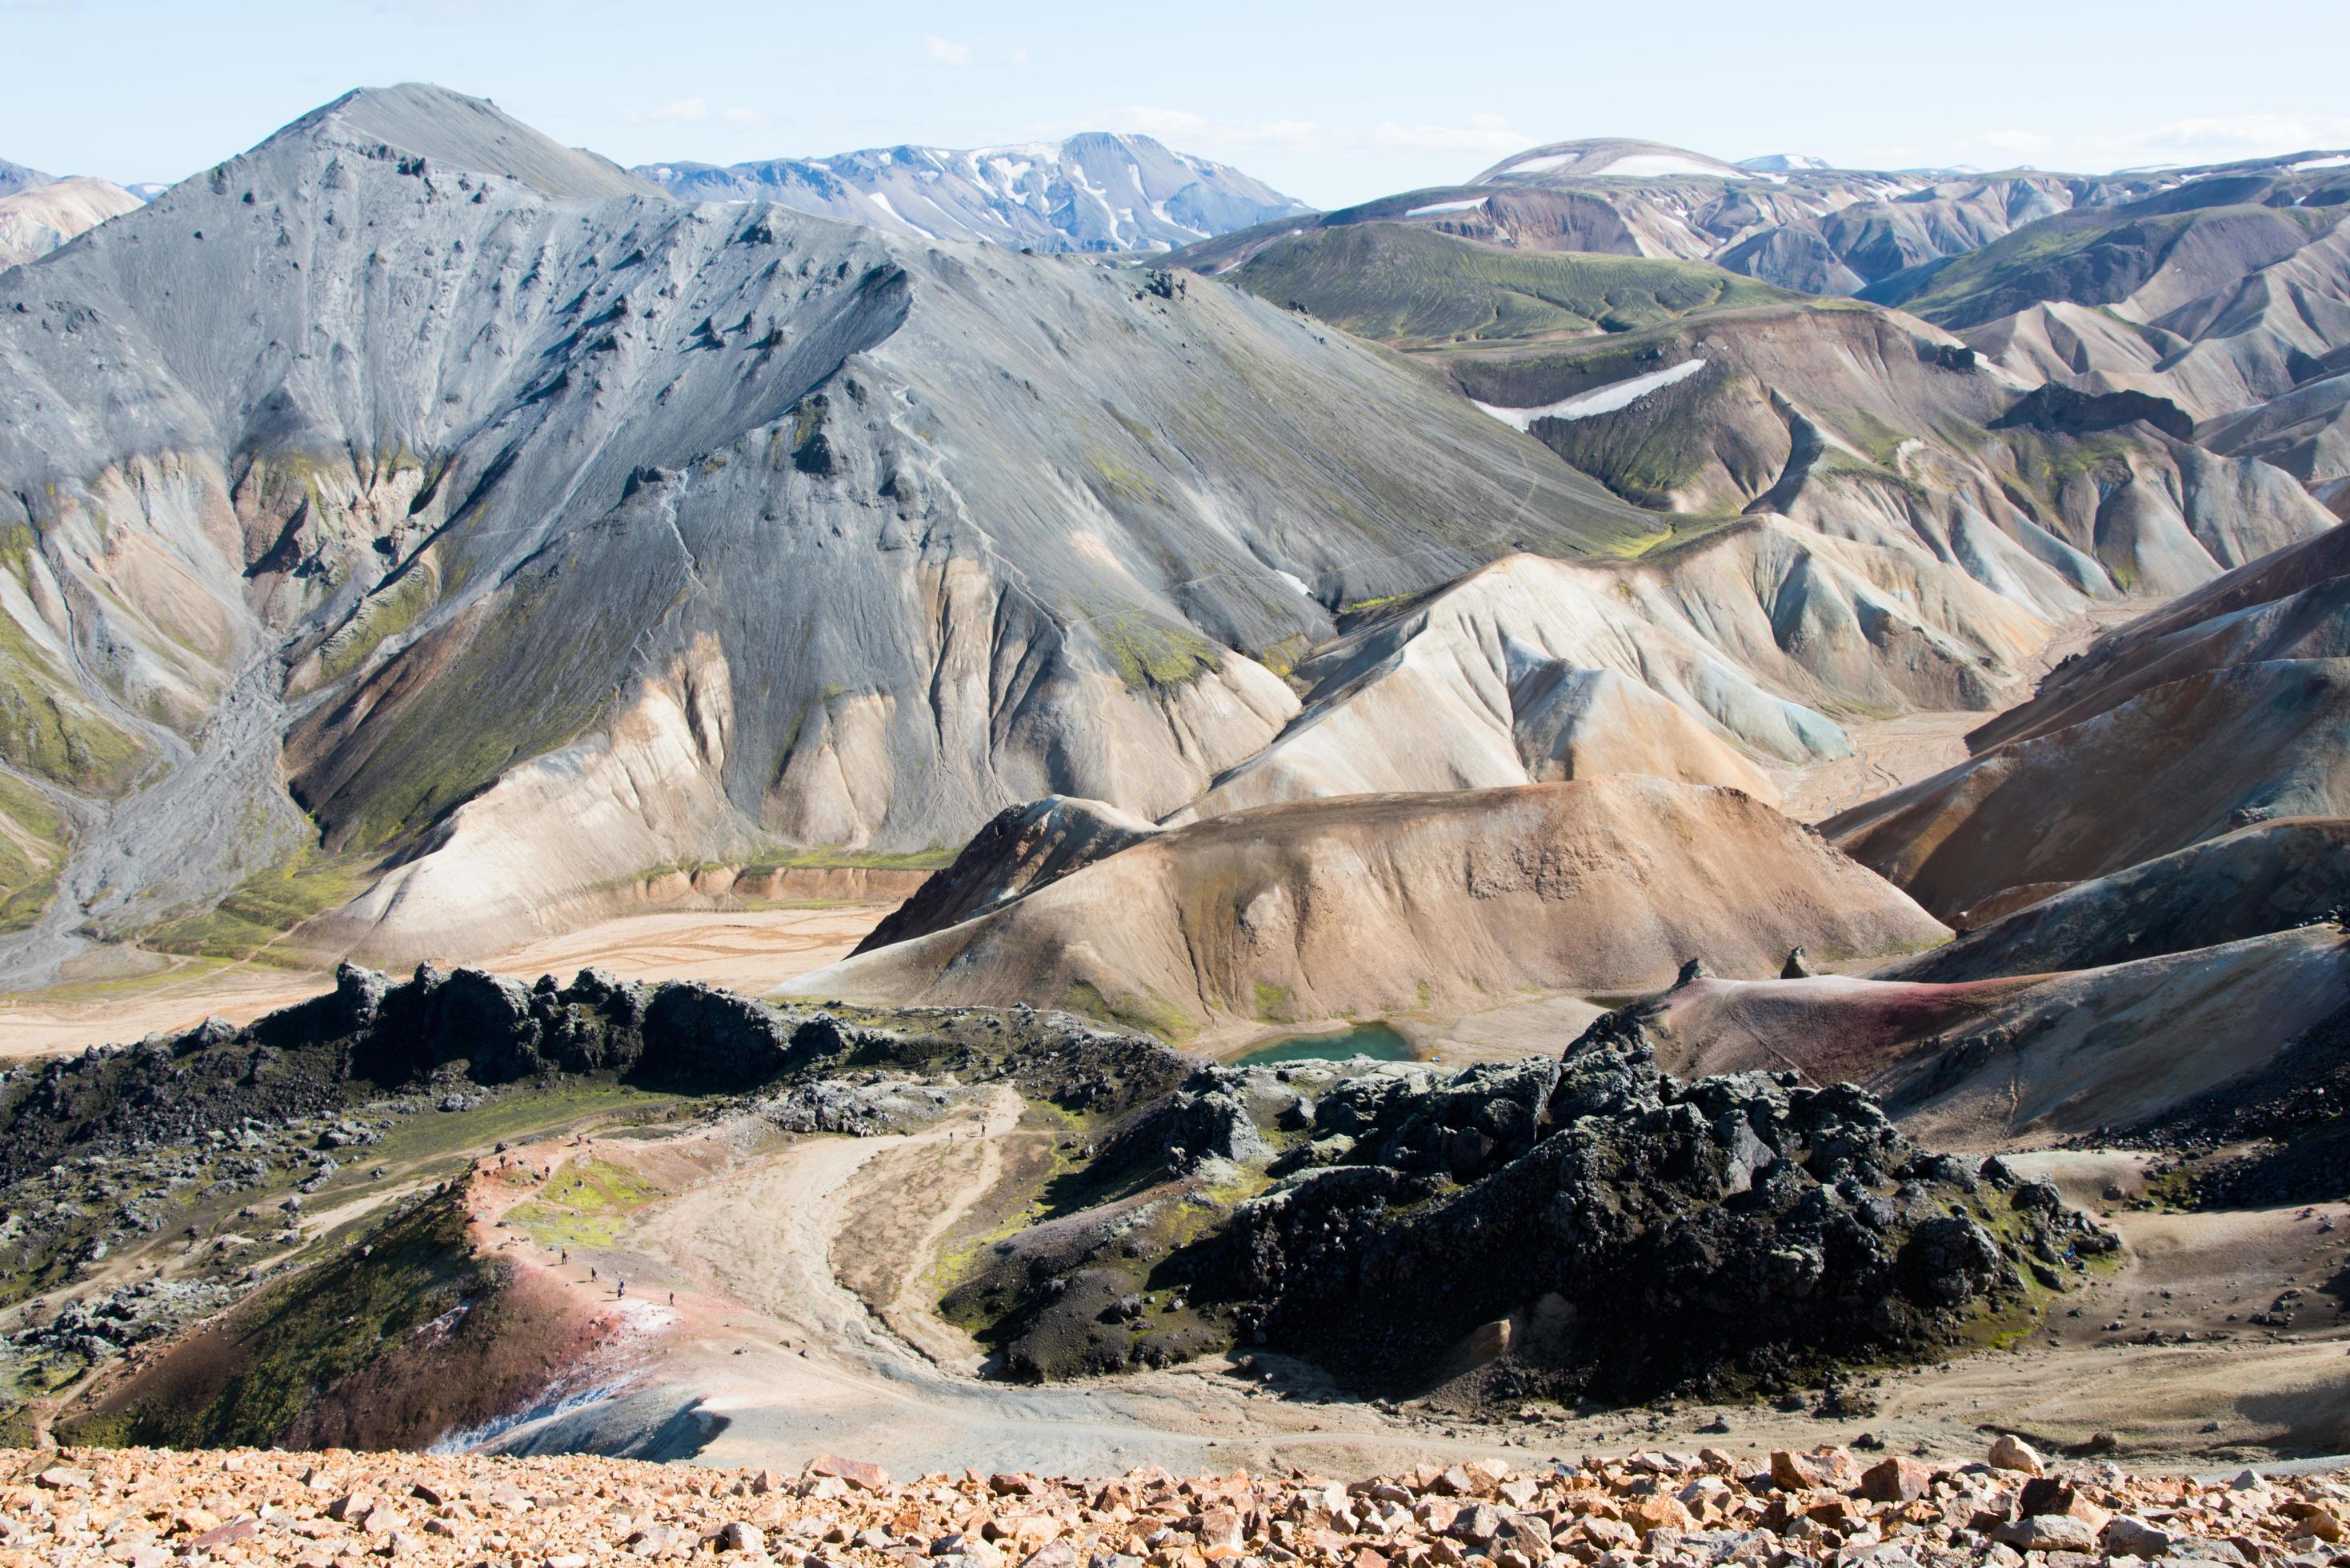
x: 1035, y: 812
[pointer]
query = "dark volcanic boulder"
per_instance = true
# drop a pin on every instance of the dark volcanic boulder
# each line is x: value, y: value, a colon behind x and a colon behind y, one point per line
x: 1949, y: 1261
x: 700, y: 1036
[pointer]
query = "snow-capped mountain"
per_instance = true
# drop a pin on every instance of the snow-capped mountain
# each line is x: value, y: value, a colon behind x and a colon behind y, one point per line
x: 1095, y: 191
x: 1785, y: 163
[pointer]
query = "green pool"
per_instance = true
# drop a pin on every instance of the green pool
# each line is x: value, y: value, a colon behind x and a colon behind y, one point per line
x: 1374, y: 1039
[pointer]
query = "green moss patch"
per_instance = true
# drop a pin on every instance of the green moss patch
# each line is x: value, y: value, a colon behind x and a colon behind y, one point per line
x: 47, y: 730
x: 1151, y: 652
x: 584, y: 1204
x: 266, y: 906
x: 1148, y: 1011
x: 1415, y: 287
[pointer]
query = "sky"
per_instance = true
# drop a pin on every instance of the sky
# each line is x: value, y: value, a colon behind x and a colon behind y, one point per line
x: 1332, y: 103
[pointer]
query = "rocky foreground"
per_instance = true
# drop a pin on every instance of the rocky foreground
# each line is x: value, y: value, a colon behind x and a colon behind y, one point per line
x: 146, y: 1507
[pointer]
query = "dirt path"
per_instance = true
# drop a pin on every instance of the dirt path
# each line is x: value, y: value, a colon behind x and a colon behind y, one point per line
x: 753, y: 950
x: 772, y: 1340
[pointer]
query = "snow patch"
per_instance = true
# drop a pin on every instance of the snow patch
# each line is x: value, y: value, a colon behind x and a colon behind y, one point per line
x: 1294, y: 581
x: 1447, y: 207
x: 1600, y: 401
x: 2338, y: 160
x: 883, y: 201
x: 1649, y: 165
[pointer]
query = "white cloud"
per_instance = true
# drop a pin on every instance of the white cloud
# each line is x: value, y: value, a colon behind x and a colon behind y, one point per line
x: 690, y: 110
x: 1016, y: 55
x: 946, y: 51
x: 2210, y: 138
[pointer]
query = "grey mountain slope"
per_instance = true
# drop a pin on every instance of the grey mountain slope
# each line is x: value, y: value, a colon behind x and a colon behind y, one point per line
x: 1094, y: 192
x: 564, y: 540
x: 2304, y: 431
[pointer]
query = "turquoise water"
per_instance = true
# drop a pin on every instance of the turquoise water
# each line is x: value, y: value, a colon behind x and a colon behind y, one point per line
x: 1374, y: 1039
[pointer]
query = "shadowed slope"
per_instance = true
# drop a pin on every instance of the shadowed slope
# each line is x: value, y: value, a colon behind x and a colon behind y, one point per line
x: 1986, y: 1062
x: 2173, y: 765
x: 2271, y: 877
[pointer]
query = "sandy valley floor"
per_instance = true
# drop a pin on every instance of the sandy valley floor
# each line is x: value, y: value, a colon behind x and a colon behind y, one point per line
x: 753, y: 950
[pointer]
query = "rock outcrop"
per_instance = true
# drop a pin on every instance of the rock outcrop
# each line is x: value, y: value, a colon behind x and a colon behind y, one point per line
x: 1590, y: 1227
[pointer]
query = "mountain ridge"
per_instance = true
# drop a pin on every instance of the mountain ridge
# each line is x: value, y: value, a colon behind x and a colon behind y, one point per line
x: 1045, y: 195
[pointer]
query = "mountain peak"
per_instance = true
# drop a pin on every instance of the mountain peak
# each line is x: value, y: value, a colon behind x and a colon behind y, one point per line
x: 16, y: 177
x: 1615, y: 157
x: 470, y: 133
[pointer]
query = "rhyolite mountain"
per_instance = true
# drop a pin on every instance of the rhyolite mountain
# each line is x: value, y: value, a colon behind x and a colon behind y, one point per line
x: 1790, y: 221
x: 37, y: 219
x: 1095, y: 191
x: 446, y: 515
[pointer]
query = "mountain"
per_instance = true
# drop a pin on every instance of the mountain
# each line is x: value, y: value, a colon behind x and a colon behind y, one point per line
x: 2269, y: 877
x: 853, y: 541
x: 1798, y: 224
x: 1785, y: 163
x: 1612, y: 157
x: 2224, y: 709
x: 1681, y: 665
x: 2304, y: 431
x: 37, y: 220
x: 1095, y: 191
x: 16, y: 177
x: 1690, y: 390
x: 2021, y: 1061
x: 2210, y: 307
x: 1380, y: 903
x: 1814, y: 231
x: 1419, y: 287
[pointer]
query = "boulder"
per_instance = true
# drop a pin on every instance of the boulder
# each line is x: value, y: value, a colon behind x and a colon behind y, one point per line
x: 1828, y: 1469
x: 2014, y: 1455
x: 859, y: 1473
x: 1897, y: 1479
x: 2047, y: 1532
x: 2126, y: 1537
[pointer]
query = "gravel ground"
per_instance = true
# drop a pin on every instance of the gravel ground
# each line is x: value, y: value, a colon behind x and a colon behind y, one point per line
x: 146, y: 1509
